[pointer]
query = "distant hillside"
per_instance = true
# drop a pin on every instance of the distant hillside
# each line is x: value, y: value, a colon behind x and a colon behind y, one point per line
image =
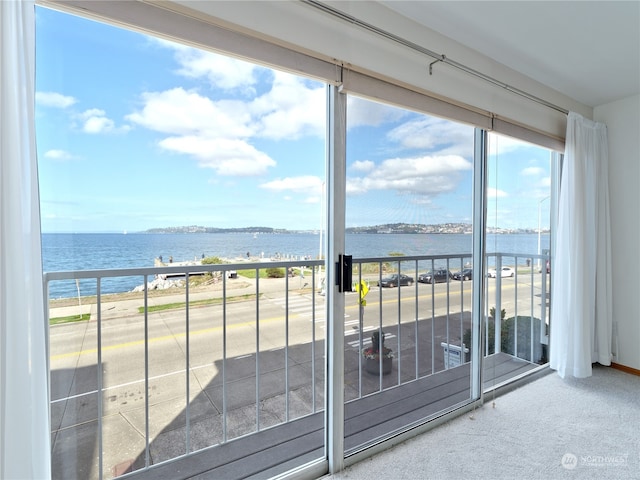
x: 439, y: 228
x: 413, y: 228
x: 199, y: 229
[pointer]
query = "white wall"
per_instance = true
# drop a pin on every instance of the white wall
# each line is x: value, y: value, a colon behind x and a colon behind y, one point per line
x: 622, y: 118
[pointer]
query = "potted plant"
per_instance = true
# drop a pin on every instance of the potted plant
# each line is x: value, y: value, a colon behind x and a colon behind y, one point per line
x: 372, y: 355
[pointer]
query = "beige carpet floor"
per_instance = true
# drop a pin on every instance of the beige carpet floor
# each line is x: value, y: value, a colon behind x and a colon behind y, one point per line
x: 551, y: 428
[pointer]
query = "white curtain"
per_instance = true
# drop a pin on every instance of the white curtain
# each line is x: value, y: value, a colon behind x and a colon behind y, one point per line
x: 581, y: 308
x: 24, y: 413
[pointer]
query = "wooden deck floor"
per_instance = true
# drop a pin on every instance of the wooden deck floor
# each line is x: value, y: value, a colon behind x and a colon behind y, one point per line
x: 278, y: 449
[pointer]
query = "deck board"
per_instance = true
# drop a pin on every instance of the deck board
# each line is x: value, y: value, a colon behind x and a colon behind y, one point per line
x: 502, y: 367
x: 388, y: 411
x: 250, y: 455
x: 275, y: 450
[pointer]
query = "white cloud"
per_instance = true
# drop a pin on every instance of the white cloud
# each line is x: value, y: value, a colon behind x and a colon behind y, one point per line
x: 501, y: 144
x: 58, y: 155
x: 95, y: 121
x: 362, y: 166
x: 495, y: 193
x: 196, y: 124
x: 53, y: 99
x: 361, y: 112
x: 290, y: 109
x: 356, y: 186
x: 98, y: 125
x: 533, y: 171
x: 223, y: 72
x: 225, y: 156
x: 426, y: 175
x: 430, y: 133
x: 181, y: 112
x: 303, y: 184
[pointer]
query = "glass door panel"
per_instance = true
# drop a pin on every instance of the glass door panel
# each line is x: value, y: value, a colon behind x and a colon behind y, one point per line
x: 159, y: 158
x: 519, y: 199
x: 408, y: 226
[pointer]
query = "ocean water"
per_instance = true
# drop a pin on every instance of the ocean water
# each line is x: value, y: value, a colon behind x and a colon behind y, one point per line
x: 93, y: 251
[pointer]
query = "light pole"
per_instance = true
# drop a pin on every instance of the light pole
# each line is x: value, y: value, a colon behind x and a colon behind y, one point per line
x: 539, y: 212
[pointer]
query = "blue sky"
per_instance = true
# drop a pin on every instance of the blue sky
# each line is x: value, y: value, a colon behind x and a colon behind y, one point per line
x: 135, y: 132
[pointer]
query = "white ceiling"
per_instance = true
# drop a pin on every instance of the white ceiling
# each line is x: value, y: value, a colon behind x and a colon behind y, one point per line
x: 587, y: 50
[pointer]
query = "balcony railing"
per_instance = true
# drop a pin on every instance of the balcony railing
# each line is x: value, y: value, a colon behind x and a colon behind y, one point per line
x: 156, y: 377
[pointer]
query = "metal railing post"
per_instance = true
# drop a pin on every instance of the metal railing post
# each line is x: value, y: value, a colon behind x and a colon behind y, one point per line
x: 224, y: 357
x: 286, y: 345
x: 187, y: 412
x: 100, y: 382
x: 257, y: 349
x: 415, y: 324
x: 515, y: 313
x: 498, y: 308
x: 398, y: 325
x: 360, y: 330
x: 380, y: 325
x: 147, y: 447
x: 313, y: 338
x: 433, y: 321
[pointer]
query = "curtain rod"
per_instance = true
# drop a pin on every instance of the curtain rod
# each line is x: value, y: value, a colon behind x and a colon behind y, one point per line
x: 438, y: 57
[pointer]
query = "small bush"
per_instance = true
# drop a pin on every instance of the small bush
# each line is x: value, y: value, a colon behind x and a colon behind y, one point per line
x: 212, y: 261
x: 367, y: 268
x: 275, y: 272
x: 508, y: 338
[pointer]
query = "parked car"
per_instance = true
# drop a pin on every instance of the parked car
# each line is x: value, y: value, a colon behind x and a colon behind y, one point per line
x: 396, y: 280
x: 436, y: 276
x: 466, y: 274
x: 505, y: 272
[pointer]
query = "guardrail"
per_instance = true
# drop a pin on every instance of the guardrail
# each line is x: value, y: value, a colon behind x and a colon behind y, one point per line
x: 527, y: 329
x: 427, y: 325
x: 226, y: 350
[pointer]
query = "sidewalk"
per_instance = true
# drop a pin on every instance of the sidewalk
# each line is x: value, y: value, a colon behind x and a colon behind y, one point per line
x: 118, y: 306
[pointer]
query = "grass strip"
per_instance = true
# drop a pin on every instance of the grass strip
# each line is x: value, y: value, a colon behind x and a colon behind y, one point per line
x: 251, y: 273
x: 70, y: 319
x: 197, y: 303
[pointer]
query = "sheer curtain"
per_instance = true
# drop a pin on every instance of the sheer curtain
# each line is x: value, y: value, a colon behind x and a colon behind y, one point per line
x: 24, y: 412
x: 581, y: 309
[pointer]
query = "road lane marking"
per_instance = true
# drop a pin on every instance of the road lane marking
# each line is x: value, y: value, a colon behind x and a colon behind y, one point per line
x: 234, y: 326
x: 367, y: 341
x: 175, y: 336
x: 127, y: 384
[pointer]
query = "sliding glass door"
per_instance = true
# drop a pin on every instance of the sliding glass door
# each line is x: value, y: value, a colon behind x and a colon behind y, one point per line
x: 408, y: 321
x: 190, y: 185
x: 520, y: 195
